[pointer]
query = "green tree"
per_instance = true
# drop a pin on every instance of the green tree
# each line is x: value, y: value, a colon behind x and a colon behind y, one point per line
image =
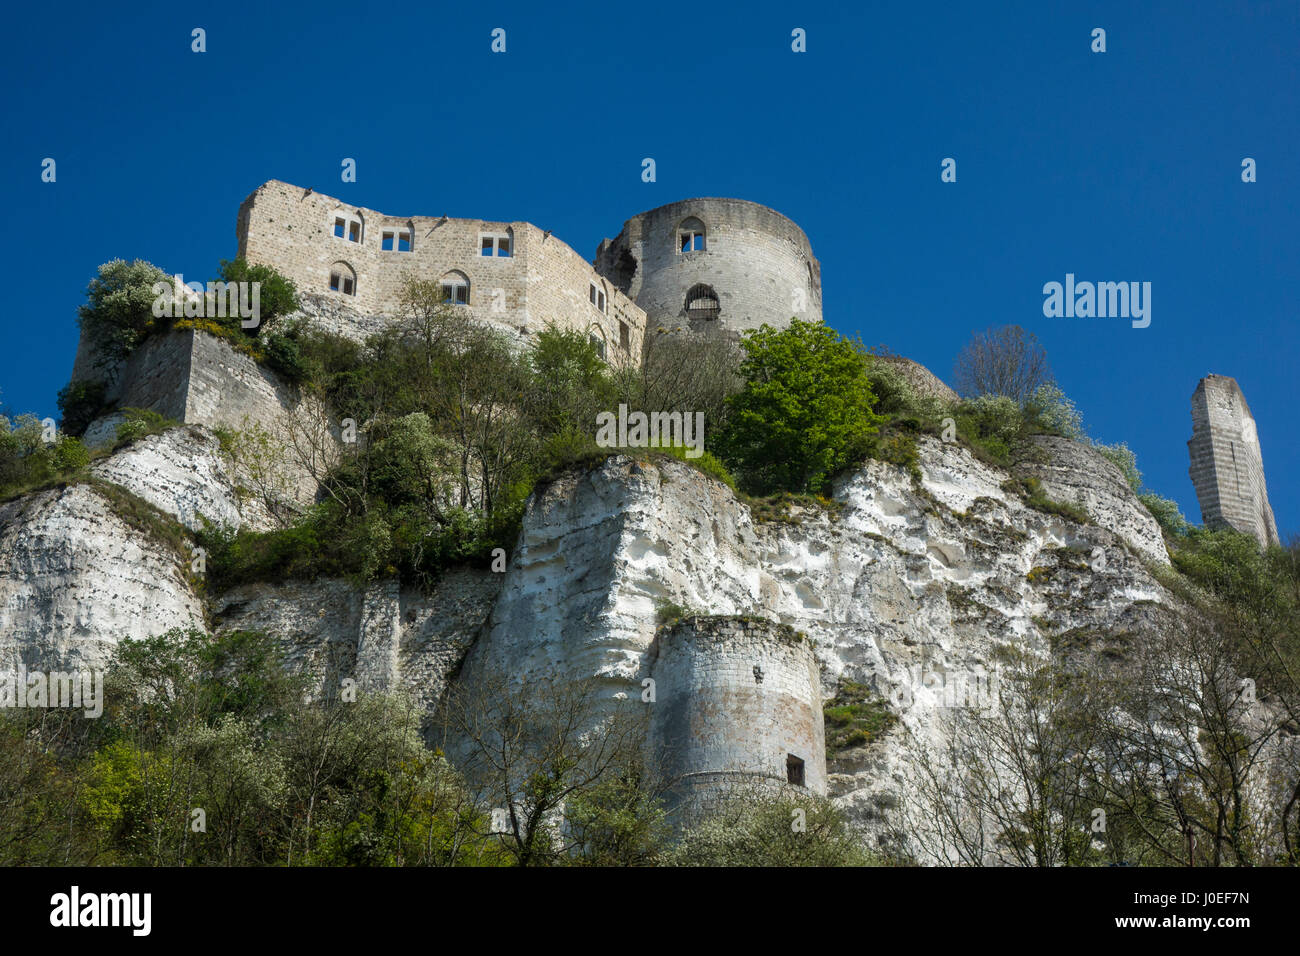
x: 804, y: 413
x: 118, y: 313
x: 277, y: 294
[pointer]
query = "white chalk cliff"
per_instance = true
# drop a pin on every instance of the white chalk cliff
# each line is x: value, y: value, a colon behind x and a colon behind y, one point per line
x: 898, y: 579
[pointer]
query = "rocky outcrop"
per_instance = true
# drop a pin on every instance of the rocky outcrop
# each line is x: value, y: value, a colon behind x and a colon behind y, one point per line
x: 180, y: 472
x: 75, y: 579
x: 1078, y: 474
x: 923, y: 381
x: 383, y: 636
x: 907, y: 588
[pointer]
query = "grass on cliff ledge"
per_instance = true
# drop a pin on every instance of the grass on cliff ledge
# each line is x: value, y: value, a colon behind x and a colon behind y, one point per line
x: 855, y: 717
x: 29, y: 463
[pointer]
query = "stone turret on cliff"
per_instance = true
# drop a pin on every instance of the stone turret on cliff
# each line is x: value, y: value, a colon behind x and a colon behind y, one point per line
x: 1227, y: 466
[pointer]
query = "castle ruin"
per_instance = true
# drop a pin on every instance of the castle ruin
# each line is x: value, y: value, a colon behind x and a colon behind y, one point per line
x: 1227, y: 466
x: 709, y: 265
x: 738, y: 703
x: 714, y: 265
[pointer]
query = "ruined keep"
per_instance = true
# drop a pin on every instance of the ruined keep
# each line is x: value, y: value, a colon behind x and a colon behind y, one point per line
x: 714, y: 265
x: 738, y: 701
x: 1227, y: 466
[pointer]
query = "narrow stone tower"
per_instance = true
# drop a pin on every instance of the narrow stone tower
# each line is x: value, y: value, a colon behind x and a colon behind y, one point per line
x: 738, y: 702
x: 714, y: 265
x: 1227, y: 466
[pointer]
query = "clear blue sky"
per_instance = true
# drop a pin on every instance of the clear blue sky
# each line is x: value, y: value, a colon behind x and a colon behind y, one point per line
x: 1116, y: 166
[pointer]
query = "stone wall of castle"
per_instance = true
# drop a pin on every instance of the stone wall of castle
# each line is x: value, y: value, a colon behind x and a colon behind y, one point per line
x: 542, y: 280
x: 735, y: 701
x: 758, y: 263
x: 1227, y: 465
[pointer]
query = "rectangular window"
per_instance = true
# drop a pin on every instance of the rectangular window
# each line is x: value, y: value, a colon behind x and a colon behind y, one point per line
x: 455, y: 293
x: 794, y: 770
x: 340, y: 228
x: 597, y: 296
x: 354, y: 232
x: 395, y: 240
x: 347, y: 286
x: 335, y: 281
x: 624, y: 340
x: 498, y: 246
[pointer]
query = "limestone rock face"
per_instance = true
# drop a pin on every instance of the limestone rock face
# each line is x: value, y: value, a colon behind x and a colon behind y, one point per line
x: 384, y: 636
x: 907, y: 589
x: 1075, y: 473
x: 923, y: 381
x: 181, y: 473
x: 75, y: 579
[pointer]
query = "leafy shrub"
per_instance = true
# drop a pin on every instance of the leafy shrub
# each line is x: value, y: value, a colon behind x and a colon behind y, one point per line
x: 139, y: 423
x: 28, y: 462
x: 900, y: 449
x: 1123, y: 458
x: 898, y: 400
x: 80, y: 403
x: 994, y: 426
x: 282, y: 346
x: 753, y: 828
x: 69, y: 455
x: 118, y: 313
x: 1167, y: 515
x: 667, y: 612
x: 277, y: 295
x: 1051, y: 411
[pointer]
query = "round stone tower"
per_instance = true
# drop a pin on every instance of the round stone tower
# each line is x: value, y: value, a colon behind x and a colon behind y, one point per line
x: 714, y: 265
x: 737, y: 702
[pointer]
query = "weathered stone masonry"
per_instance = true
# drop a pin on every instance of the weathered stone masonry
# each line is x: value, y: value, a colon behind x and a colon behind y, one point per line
x: 715, y: 264
x: 737, y: 701
x: 1227, y: 466
x: 530, y: 279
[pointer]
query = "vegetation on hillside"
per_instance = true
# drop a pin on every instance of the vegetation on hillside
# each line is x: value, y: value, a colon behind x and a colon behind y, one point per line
x: 208, y: 752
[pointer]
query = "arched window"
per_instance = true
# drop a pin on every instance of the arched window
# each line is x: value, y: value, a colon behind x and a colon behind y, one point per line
x: 596, y: 336
x: 343, y: 278
x: 347, y: 225
x: 702, y: 303
x: 455, y: 288
x: 690, y: 235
